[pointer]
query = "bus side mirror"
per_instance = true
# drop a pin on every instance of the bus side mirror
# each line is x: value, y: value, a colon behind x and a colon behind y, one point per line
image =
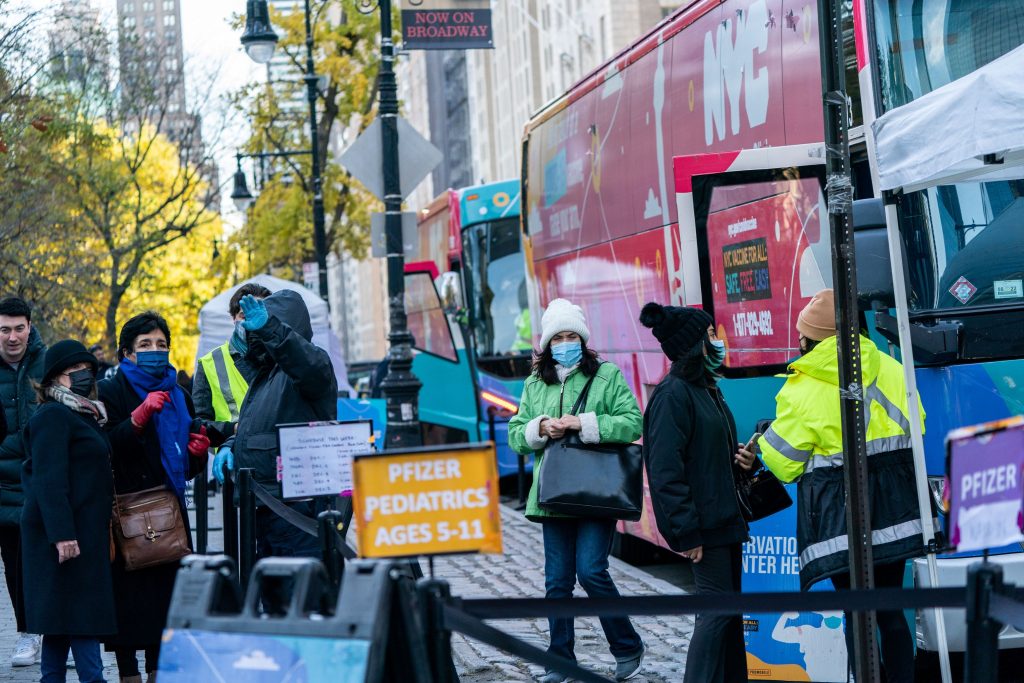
x: 450, y: 288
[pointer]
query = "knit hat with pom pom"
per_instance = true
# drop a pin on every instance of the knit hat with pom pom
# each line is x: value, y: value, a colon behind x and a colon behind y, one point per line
x: 678, y: 328
x: 562, y: 316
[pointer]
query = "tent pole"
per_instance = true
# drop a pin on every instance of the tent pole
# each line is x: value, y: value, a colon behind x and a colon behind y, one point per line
x: 870, y: 94
x: 914, y: 410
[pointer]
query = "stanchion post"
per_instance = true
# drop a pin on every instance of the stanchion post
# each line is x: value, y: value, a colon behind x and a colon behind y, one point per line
x: 334, y: 561
x: 246, y: 526
x: 981, y: 661
x: 433, y: 595
x: 201, y: 500
x: 230, y: 515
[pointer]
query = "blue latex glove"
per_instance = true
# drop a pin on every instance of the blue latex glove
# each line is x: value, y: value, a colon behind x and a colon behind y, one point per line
x: 224, y: 457
x: 255, y: 310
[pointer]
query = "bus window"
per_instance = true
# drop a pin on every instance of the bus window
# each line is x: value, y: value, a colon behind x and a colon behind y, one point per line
x: 925, y: 44
x: 496, y: 294
x: 426, y: 319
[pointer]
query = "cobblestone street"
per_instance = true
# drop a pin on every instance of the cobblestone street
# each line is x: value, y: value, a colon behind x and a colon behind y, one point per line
x: 520, y: 573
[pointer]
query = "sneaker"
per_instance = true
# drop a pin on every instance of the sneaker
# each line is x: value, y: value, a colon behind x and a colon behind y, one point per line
x: 628, y: 668
x: 552, y: 677
x: 26, y: 652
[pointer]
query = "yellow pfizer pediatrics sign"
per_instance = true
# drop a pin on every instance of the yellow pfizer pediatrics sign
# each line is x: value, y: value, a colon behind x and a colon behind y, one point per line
x: 427, y: 501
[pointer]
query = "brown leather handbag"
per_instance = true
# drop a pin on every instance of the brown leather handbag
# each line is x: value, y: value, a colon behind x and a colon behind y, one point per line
x: 148, y: 528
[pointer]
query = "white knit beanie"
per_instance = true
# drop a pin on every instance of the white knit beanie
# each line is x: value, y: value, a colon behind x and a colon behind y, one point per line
x: 562, y: 316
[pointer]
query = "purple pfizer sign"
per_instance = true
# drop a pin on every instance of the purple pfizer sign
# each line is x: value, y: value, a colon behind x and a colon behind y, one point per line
x: 986, y: 464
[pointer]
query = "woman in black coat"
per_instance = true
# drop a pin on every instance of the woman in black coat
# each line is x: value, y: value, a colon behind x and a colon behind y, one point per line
x: 690, y: 453
x: 65, y: 522
x: 154, y: 444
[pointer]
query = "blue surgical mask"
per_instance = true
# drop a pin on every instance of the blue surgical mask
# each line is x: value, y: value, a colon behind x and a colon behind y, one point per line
x: 716, y: 354
x: 238, y: 340
x: 567, y: 354
x: 153, y: 362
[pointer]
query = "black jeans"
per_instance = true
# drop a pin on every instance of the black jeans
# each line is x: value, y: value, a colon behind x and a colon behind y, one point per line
x: 276, y: 537
x: 897, y: 645
x: 128, y: 661
x: 717, y: 652
x: 578, y: 548
x: 10, y: 550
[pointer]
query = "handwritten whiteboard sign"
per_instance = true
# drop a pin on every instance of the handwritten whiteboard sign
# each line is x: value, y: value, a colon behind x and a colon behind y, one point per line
x: 985, y: 470
x: 316, y: 457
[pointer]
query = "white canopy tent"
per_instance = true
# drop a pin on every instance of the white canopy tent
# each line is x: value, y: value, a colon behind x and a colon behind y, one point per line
x: 969, y: 130
x: 215, y: 325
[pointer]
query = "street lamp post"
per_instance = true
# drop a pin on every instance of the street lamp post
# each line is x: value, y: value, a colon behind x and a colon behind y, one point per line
x: 259, y: 41
x: 400, y: 386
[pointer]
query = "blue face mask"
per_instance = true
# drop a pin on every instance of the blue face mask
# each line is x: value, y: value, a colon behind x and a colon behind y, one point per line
x: 238, y: 339
x: 153, y: 362
x: 716, y: 354
x: 567, y: 354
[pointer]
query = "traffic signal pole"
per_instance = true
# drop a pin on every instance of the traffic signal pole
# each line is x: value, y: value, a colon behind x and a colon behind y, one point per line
x: 839, y: 189
x: 400, y: 386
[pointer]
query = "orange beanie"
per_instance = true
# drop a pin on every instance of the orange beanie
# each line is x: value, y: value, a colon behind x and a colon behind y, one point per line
x: 818, y: 319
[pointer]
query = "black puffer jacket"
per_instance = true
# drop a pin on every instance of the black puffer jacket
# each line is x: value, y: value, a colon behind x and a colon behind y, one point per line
x: 294, y: 382
x: 19, y: 401
x: 689, y: 448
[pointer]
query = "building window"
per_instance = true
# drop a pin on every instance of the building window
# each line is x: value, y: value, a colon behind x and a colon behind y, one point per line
x: 128, y: 6
x: 168, y: 5
x: 148, y: 5
x: 149, y: 35
x: 168, y: 20
x: 171, y: 64
x: 149, y: 20
x: 129, y: 22
x: 170, y: 35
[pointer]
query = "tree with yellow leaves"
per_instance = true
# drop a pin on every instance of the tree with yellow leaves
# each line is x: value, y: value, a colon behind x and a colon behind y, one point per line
x: 278, y: 234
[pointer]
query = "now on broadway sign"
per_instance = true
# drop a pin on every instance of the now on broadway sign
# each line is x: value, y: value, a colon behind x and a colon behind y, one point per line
x: 447, y: 25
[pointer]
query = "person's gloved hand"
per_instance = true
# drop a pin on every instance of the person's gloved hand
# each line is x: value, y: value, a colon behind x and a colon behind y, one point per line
x: 255, y: 311
x: 152, y: 404
x: 199, y: 443
x: 224, y: 457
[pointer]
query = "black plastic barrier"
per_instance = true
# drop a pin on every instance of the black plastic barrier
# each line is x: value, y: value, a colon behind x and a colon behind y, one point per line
x: 290, y: 619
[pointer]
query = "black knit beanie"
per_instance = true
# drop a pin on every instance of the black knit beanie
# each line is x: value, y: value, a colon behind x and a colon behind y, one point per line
x: 63, y: 355
x: 678, y: 328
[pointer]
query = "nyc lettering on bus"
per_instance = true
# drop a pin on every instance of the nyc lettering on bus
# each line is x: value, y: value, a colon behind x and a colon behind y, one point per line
x: 729, y: 70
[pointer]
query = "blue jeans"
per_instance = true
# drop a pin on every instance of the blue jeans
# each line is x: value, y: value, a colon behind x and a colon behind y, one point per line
x: 53, y: 666
x: 576, y: 548
x: 277, y: 538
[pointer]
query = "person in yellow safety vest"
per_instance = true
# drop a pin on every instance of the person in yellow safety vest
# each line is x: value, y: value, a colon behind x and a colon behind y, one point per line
x: 805, y: 444
x: 222, y: 376
x: 524, y: 332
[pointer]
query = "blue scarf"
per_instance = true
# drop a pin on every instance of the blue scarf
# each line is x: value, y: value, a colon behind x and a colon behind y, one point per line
x: 172, y: 422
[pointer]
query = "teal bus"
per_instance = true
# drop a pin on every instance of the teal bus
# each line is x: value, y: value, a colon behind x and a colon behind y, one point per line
x: 467, y: 303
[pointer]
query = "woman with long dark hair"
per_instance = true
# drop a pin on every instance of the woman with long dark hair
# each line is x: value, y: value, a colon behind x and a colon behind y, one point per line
x: 154, y: 445
x: 576, y: 547
x: 689, y: 450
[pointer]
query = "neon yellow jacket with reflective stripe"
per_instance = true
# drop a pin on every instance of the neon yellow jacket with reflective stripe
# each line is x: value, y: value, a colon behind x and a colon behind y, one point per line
x: 807, y: 431
x: 805, y: 443
x: 227, y: 386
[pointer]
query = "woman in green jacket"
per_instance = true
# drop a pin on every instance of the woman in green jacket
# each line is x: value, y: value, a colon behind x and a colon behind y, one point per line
x: 576, y: 547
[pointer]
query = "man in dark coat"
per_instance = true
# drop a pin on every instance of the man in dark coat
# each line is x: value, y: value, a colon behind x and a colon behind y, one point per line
x: 22, y: 354
x: 294, y: 382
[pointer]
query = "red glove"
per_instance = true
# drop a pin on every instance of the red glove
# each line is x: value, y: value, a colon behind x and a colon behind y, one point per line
x: 199, y: 443
x: 153, y: 404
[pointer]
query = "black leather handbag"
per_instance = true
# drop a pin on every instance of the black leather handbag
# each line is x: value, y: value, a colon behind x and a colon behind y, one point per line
x: 761, y: 494
x: 591, y: 480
